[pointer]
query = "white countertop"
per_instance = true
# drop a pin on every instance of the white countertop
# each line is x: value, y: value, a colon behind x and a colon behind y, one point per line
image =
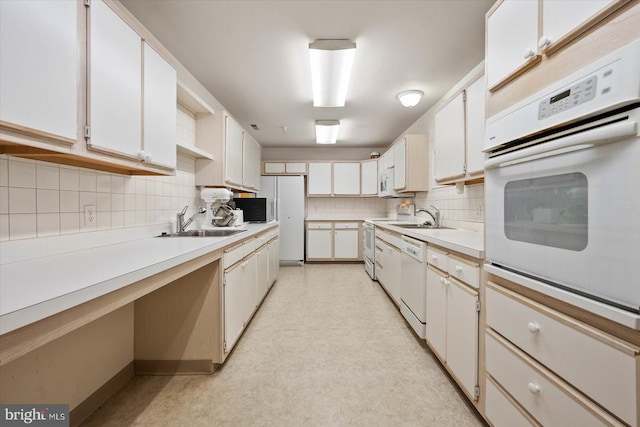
x: 456, y: 239
x: 34, y: 289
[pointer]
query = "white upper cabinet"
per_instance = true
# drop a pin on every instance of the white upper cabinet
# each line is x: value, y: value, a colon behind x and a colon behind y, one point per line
x: 450, y: 139
x: 475, y: 105
x: 251, y: 163
x: 346, y: 178
x: 160, y: 92
x: 512, y: 39
x: 233, y: 152
x: 39, y: 67
x: 115, y: 83
x: 369, y: 177
x: 319, y: 178
x: 399, y: 169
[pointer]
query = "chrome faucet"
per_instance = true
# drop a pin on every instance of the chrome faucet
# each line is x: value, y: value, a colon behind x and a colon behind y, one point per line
x: 181, y: 224
x: 435, y: 216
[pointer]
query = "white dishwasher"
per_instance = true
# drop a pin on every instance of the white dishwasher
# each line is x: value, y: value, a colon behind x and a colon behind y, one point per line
x: 413, y: 284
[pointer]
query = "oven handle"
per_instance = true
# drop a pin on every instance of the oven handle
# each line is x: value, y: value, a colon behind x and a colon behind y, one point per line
x: 587, y: 139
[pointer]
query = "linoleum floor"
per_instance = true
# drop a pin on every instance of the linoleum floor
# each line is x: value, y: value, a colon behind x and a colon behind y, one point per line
x: 326, y: 348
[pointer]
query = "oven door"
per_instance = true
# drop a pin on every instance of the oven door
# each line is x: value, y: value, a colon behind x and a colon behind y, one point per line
x: 369, y: 241
x: 567, y: 211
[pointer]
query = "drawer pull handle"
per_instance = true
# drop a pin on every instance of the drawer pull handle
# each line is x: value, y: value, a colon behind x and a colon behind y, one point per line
x: 533, y: 388
x: 442, y: 280
x: 458, y: 268
x: 533, y: 327
x: 434, y: 257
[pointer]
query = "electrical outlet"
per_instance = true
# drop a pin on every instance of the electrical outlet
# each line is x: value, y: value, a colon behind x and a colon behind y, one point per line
x: 89, y: 215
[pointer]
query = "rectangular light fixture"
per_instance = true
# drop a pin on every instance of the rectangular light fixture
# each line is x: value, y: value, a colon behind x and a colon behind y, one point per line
x: 331, y: 62
x: 327, y: 131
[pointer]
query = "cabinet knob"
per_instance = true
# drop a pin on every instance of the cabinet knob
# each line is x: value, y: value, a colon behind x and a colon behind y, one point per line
x: 533, y: 327
x: 434, y: 257
x: 142, y: 155
x: 528, y: 53
x: 533, y: 388
x: 544, y: 42
x: 148, y: 157
x: 458, y: 269
x: 442, y: 280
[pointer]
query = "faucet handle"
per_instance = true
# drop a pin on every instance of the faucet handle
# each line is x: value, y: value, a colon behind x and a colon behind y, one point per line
x: 184, y: 210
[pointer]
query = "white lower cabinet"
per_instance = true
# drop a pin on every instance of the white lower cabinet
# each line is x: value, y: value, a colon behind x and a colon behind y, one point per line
x: 502, y: 410
x: 319, y: 241
x: 262, y: 261
x: 388, y: 266
x: 452, y: 326
x: 345, y: 240
x: 274, y: 260
x: 233, y: 306
x: 333, y: 241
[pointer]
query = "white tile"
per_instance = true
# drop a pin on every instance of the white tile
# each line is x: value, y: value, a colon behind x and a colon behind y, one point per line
x: 4, y: 173
x: 129, y: 218
x: 141, y: 217
x: 22, y: 200
x: 87, y: 198
x: 141, y: 202
x: 141, y: 185
x: 150, y: 187
x: 129, y: 202
x: 4, y: 228
x: 103, y: 220
x: 103, y: 202
x: 129, y: 185
x: 47, y: 201
x: 117, y: 219
x: 69, y: 201
x: 117, y: 184
x: 117, y: 202
x: 150, y: 202
x: 22, y: 174
x: 48, y: 224
x: 69, y: 223
x: 84, y: 227
x: 4, y: 200
x: 159, y: 188
x: 22, y: 226
x: 103, y: 183
x: 47, y: 176
x: 87, y: 180
x: 69, y: 179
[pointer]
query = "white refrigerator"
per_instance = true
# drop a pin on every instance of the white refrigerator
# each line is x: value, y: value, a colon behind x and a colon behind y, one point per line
x: 287, y: 194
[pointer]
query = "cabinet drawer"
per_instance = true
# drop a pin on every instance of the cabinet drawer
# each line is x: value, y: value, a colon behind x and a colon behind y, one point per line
x: 392, y: 239
x: 502, y: 410
x: 251, y: 245
x: 319, y: 225
x: 599, y: 365
x: 345, y: 225
x: 551, y: 401
x: 437, y: 258
x: 465, y: 271
x: 233, y: 255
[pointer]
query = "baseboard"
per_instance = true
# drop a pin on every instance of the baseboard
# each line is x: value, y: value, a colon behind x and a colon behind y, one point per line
x: 98, y: 397
x: 172, y: 367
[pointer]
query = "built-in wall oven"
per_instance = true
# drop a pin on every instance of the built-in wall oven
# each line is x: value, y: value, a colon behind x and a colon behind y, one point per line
x: 369, y: 236
x: 562, y: 184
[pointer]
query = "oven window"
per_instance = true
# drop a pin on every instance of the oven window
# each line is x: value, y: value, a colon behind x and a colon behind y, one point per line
x: 549, y: 211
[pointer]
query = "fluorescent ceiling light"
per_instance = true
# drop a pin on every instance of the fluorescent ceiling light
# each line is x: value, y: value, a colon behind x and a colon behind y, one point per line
x: 410, y: 98
x: 331, y: 62
x: 327, y: 131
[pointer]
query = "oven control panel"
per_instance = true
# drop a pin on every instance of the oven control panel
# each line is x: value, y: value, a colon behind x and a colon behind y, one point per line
x: 578, y: 94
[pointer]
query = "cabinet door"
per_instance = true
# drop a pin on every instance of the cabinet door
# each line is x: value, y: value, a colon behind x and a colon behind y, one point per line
x: 233, y: 306
x: 369, y: 177
x: 319, y: 244
x: 346, y: 178
x: 251, y: 163
x: 297, y: 167
x: 475, y: 126
x: 39, y: 66
x: 512, y: 38
x: 160, y: 94
x: 400, y: 168
x: 393, y: 268
x: 249, y: 286
x: 262, y: 275
x: 450, y: 141
x: 346, y: 244
x: 233, y: 152
x: 274, y: 261
x: 436, y: 305
x: 270, y: 167
x: 319, y: 179
x: 560, y: 17
x: 462, y: 334
x: 115, y: 82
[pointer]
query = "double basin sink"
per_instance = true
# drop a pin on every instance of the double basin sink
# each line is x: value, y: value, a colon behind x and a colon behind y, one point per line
x: 419, y: 226
x: 204, y: 233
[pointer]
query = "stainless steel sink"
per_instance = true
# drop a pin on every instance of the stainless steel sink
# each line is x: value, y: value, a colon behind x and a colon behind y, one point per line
x: 203, y: 233
x: 423, y: 226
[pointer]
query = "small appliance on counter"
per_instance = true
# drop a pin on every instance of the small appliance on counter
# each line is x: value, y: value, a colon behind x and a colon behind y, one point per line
x: 255, y: 209
x: 219, y: 213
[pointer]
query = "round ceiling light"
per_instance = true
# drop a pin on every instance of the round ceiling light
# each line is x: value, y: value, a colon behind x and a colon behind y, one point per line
x: 410, y: 98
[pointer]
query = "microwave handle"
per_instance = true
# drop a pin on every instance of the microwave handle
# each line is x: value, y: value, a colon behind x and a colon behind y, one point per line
x: 597, y: 136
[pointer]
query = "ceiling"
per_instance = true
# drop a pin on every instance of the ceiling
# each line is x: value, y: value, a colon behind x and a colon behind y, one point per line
x: 253, y: 58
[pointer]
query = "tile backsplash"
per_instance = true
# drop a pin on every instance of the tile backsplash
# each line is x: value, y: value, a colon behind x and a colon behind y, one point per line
x: 41, y: 199
x: 365, y: 207
x: 468, y: 206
